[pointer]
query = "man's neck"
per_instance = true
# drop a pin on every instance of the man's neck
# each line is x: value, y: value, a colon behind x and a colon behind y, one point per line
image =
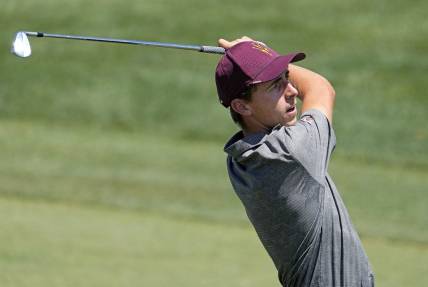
x: 249, y: 131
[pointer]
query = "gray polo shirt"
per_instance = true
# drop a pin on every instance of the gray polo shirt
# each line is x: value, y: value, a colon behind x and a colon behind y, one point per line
x: 297, y: 212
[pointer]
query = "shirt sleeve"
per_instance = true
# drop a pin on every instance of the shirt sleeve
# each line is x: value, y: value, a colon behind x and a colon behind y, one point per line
x: 310, y: 141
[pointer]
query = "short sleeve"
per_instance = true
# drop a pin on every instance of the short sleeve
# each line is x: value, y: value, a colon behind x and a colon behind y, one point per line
x: 310, y: 141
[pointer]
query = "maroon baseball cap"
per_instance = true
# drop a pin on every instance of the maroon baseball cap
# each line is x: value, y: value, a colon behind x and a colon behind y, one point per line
x: 249, y: 63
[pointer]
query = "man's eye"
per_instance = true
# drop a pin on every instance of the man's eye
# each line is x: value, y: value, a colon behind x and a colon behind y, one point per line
x: 280, y: 84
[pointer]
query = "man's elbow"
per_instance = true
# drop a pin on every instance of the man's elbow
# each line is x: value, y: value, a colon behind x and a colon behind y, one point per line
x: 328, y: 99
x: 329, y: 90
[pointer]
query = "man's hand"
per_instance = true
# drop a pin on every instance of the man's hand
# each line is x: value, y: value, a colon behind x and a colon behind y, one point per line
x: 228, y: 44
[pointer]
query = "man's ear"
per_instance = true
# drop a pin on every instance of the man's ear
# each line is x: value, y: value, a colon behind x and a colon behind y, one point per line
x: 241, y: 107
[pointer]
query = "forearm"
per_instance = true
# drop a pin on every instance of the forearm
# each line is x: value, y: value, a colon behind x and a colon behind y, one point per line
x: 314, y: 90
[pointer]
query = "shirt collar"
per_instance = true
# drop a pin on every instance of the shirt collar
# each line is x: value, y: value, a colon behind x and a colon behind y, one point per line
x: 238, y: 143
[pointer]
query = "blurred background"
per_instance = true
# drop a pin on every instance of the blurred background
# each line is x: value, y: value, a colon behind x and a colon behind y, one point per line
x: 112, y: 171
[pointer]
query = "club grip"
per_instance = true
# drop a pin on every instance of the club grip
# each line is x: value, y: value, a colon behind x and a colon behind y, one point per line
x: 212, y: 50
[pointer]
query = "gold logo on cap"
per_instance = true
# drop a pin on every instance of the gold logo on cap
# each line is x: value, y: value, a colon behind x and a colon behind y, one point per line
x: 262, y: 48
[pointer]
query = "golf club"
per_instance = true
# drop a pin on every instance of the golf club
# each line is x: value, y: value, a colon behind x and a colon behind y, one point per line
x: 21, y: 46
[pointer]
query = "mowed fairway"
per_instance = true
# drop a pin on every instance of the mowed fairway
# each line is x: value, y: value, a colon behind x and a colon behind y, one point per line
x: 111, y: 164
x: 89, y: 207
x: 52, y: 244
x: 69, y: 245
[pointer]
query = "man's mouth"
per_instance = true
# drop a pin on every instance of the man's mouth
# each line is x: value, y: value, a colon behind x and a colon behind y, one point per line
x: 291, y: 109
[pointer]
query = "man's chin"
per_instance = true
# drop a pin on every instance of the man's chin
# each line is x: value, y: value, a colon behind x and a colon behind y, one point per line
x: 291, y: 122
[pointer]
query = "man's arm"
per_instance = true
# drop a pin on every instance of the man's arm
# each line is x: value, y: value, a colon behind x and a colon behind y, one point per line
x: 314, y: 90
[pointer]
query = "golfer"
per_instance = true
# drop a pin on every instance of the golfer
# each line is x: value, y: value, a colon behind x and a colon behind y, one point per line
x: 278, y: 166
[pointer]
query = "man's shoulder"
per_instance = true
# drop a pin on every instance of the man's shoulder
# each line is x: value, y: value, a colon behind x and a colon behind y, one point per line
x: 256, y: 148
x: 281, y: 140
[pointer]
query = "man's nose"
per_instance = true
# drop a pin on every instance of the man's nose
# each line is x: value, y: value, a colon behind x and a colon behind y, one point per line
x: 290, y: 91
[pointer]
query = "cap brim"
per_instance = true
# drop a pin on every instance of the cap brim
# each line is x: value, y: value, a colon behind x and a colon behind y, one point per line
x: 277, y: 66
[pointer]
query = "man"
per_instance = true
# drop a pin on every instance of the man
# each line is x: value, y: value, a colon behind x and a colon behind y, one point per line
x: 278, y: 165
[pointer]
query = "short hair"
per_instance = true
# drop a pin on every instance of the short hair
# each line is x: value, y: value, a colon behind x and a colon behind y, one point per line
x: 245, y: 95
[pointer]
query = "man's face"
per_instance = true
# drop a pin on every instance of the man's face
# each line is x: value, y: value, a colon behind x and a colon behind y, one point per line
x: 274, y: 102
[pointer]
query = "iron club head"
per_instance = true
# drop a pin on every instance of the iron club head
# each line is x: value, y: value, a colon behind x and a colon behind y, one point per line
x: 21, y: 46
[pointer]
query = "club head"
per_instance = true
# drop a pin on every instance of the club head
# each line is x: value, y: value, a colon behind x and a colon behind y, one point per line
x: 21, y: 46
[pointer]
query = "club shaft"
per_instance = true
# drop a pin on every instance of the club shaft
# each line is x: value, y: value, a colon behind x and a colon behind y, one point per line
x: 204, y: 49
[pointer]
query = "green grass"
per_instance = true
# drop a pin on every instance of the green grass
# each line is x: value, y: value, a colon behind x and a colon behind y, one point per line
x: 54, y: 244
x: 143, y: 171
x: 68, y: 245
x: 373, y: 52
x: 143, y: 205
x: 111, y: 159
